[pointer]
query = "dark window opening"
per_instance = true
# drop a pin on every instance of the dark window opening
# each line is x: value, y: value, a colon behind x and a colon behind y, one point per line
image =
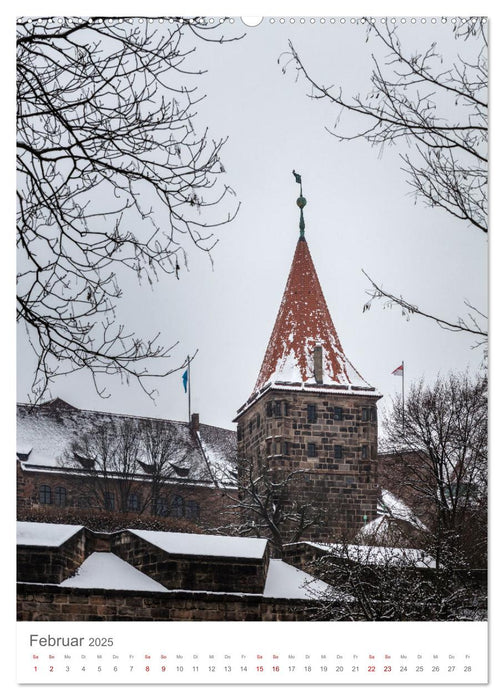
x: 286, y: 408
x: 286, y: 448
x: 338, y: 451
x: 258, y: 420
x: 364, y: 452
x: 268, y: 447
x: 312, y: 413
x: 192, y: 510
x: 109, y: 501
x: 45, y: 495
x: 365, y: 414
x: 338, y: 413
x: 269, y: 409
x: 372, y: 414
x: 278, y: 409
x: 60, y: 496
x: 177, y: 507
x: 312, y: 449
x: 133, y: 502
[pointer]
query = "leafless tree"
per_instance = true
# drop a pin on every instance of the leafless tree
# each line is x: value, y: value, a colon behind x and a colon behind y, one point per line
x: 271, y: 504
x: 393, y: 584
x: 131, y: 460
x: 434, y: 106
x: 438, y: 462
x: 116, y: 178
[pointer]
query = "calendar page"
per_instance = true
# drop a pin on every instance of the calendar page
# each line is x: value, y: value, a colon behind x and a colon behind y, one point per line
x: 253, y: 349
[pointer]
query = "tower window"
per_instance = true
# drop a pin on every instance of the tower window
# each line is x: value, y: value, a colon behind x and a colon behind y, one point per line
x: 278, y: 409
x: 60, y: 496
x: 45, y: 495
x: 338, y: 413
x: 372, y: 414
x: 258, y: 420
x: 251, y: 425
x: 365, y: 414
x: 312, y: 413
x: 338, y: 451
x: 286, y: 408
x: 269, y: 409
x: 268, y: 447
x: 285, y: 447
x: 312, y: 449
x: 364, y: 451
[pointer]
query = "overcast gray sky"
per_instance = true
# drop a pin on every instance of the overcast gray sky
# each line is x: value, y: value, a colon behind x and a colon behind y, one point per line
x: 360, y: 214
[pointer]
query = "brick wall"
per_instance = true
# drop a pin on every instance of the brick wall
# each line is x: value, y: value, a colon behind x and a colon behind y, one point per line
x: 71, y: 604
x: 212, y: 502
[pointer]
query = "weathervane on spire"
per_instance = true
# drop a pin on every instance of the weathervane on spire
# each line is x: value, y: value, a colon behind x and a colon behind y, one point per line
x: 301, y: 202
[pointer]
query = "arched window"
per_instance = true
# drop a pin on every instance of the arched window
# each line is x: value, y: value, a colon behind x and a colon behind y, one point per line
x: 133, y: 502
x: 177, y: 507
x: 192, y: 510
x: 45, y: 495
x: 60, y: 496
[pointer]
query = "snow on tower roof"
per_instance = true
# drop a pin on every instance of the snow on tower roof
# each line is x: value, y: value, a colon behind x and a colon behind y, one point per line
x: 304, y: 322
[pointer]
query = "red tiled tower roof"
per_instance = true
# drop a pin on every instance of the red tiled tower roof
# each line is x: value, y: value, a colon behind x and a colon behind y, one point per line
x: 304, y: 322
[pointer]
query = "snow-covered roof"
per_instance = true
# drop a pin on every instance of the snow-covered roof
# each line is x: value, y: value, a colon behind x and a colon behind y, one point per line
x: 388, y: 504
x: 373, y: 555
x: 285, y: 581
x: 106, y: 570
x: 304, y: 322
x: 47, y: 434
x: 44, y: 534
x: 205, y: 545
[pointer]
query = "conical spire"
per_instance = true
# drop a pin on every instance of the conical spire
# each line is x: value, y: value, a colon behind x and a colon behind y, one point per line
x: 302, y: 324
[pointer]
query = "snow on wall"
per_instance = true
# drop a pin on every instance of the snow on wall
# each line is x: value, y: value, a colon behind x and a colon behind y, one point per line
x: 106, y: 570
x: 205, y: 545
x: 44, y: 534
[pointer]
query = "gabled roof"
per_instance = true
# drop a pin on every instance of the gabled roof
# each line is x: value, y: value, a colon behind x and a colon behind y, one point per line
x: 46, y: 435
x: 304, y: 322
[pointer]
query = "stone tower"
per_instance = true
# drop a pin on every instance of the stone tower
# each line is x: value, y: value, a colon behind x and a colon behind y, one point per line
x: 312, y: 412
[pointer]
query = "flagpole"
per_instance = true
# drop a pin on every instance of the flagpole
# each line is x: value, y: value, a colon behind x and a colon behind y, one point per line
x: 402, y: 396
x: 189, y: 385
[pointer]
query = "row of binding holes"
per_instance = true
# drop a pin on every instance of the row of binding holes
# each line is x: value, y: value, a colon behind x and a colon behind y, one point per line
x: 282, y: 20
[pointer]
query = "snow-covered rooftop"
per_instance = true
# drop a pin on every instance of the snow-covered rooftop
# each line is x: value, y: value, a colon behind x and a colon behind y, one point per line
x: 47, y: 435
x: 285, y: 581
x: 44, y: 534
x: 374, y: 555
x: 106, y: 570
x: 205, y: 545
x: 304, y: 322
x: 391, y: 505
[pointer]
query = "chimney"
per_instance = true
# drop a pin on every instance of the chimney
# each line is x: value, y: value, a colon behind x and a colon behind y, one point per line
x: 194, y: 422
x: 317, y: 364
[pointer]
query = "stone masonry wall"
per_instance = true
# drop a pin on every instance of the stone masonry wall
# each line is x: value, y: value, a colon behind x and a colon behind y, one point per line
x: 52, y: 603
x: 189, y: 571
x: 344, y: 487
x: 51, y: 564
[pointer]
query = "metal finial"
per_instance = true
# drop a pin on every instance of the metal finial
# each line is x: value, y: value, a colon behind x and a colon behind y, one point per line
x: 301, y: 202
